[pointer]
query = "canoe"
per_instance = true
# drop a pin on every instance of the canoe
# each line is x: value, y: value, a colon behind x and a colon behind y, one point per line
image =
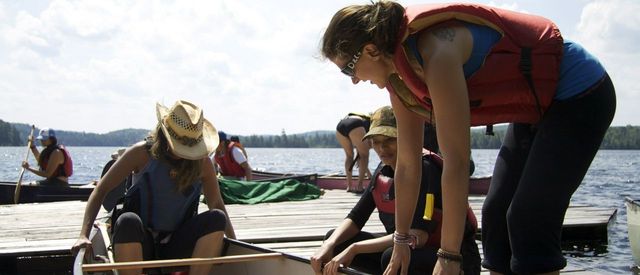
x: 308, y: 178
x: 238, y: 258
x: 39, y: 193
x: 633, y: 228
x: 477, y: 185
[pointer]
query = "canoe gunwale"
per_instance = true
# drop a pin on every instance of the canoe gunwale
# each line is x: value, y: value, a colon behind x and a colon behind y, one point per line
x: 99, y: 229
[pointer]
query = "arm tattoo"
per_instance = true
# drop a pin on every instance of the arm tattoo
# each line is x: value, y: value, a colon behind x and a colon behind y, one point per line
x: 445, y: 33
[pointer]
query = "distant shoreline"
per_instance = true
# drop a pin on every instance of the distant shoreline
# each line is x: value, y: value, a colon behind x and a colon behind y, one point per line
x: 15, y: 134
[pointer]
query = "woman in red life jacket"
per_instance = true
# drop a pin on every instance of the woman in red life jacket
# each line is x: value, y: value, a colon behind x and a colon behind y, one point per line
x: 231, y: 160
x: 462, y: 65
x: 171, y: 168
x: 54, y: 160
x: 349, y: 133
x: 348, y: 245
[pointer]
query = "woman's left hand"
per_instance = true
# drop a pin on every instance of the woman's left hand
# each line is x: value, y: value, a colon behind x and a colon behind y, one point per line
x: 344, y: 259
x: 25, y: 165
x: 446, y: 267
x: 400, y: 259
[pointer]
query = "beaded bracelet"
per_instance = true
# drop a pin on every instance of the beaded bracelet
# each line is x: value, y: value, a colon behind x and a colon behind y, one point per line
x: 408, y: 239
x: 446, y: 255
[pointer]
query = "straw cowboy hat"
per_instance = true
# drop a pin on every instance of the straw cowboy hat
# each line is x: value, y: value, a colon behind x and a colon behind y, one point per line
x: 189, y: 134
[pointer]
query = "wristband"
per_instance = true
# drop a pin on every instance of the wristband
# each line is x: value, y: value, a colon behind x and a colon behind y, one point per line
x: 408, y: 239
x: 449, y: 256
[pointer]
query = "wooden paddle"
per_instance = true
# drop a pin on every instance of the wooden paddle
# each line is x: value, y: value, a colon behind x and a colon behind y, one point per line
x: 16, y: 194
x: 180, y: 262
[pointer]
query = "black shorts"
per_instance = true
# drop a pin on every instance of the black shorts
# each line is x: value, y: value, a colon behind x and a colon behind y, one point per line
x: 347, y: 124
x: 129, y: 229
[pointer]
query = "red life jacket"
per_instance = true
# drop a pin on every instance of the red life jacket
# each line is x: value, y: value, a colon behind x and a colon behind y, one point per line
x: 434, y: 238
x: 65, y: 169
x: 228, y: 165
x: 381, y: 194
x: 499, y: 91
x: 386, y: 204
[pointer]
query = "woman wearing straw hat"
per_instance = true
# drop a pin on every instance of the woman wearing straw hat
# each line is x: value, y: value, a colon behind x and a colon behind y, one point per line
x: 350, y: 246
x: 172, y: 164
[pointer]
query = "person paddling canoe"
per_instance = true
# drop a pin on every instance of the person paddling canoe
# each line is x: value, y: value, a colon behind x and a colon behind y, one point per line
x: 54, y: 162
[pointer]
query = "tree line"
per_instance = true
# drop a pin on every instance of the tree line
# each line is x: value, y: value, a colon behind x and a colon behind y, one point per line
x: 316, y: 139
x: 15, y: 134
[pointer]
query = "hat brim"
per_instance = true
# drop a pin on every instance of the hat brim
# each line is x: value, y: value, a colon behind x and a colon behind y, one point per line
x: 388, y: 131
x: 197, y: 151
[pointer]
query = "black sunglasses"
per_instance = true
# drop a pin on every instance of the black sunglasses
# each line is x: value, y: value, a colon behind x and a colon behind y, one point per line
x: 350, y: 68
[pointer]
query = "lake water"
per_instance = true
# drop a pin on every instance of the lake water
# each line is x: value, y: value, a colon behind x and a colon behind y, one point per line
x: 613, y: 175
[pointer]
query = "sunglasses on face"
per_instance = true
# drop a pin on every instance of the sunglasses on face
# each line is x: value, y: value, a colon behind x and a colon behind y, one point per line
x: 350, y: 68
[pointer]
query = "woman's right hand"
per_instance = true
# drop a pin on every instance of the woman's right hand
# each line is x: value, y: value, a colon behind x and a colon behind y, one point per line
x: 324, y: 254
x: 82, y: 242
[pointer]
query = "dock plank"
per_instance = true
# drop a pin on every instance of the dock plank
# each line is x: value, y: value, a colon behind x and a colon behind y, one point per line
x: 54, y: 227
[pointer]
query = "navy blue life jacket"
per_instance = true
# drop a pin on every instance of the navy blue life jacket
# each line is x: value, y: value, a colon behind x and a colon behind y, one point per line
x: 155, y: 198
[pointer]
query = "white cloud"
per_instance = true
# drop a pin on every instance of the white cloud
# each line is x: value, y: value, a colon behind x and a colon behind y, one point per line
x: 611, y: 31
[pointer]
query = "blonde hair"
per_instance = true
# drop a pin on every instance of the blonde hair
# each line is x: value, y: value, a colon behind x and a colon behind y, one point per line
x: 354, y: 26
x: 183, y: 171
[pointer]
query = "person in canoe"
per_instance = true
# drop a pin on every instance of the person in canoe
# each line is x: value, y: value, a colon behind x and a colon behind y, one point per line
x: 172, y: 164
x: 348, y: 245
x: 349, y: 133
x: 458, y: 65
x: 114, y: 156
x: 54, y: 162
x: 231, y: 159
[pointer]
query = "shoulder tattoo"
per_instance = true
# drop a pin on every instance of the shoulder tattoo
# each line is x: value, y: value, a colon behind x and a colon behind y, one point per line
x: 445, y: 33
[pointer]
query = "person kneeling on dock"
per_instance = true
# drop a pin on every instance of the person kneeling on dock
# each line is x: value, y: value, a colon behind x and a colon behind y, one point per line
x: 371, y: 253
x: 169, y: 170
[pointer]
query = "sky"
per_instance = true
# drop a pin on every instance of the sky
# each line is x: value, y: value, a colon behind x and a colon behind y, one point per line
x: 253, y: 66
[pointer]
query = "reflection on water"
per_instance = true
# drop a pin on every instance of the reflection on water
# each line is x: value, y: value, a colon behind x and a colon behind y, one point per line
x: 612, y: 177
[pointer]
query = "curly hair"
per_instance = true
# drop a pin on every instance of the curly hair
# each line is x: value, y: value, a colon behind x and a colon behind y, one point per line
x: 183, y: 171
x: 354, y: 26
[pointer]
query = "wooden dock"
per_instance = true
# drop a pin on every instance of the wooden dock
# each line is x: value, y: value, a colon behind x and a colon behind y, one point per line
x: 44, y: 229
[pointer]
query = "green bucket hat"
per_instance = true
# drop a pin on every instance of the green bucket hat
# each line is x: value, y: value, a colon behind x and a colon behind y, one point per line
x: 383, y: 122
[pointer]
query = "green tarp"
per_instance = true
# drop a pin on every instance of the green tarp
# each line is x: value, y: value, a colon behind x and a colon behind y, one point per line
x: 252, y: 192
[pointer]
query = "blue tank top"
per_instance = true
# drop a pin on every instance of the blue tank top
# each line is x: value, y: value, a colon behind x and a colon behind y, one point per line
x: 579, y: 70
x: 162, y: 206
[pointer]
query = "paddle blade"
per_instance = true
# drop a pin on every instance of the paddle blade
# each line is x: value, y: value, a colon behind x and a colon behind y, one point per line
x: 16, y: 194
